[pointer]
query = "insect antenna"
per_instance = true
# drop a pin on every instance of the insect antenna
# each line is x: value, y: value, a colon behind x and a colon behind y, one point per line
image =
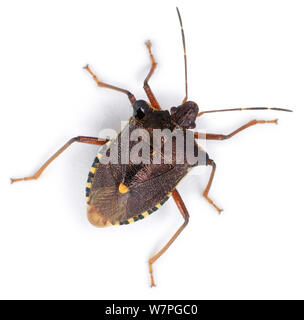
x: 241, y: 109
x: 185, y: 55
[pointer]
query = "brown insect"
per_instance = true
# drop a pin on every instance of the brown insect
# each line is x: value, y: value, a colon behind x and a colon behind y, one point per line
x: 122, y: 193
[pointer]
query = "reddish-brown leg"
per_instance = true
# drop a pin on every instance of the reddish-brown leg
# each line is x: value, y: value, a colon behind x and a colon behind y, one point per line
x: 214, y: 136
x: 89, y: 140
x: 206, y: 191
x: 182, y: 208
x: 147, y: 88
x: 105, y: 85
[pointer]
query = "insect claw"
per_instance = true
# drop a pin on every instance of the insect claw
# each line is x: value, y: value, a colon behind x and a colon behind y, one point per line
x: 148, y: 43
x: 152, y: 283
x: 13, y: 180
x: 86, y: 67
x: 275, y: 121
x: 151, y: 274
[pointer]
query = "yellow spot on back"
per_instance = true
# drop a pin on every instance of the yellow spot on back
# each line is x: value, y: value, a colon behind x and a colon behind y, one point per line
x: 98, y: 156
x: 158, y: 206
x: 123, y: 188
x: 93, y: 170
x: 89, y: 185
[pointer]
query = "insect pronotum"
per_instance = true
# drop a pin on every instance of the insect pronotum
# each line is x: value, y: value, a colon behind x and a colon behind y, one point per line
x: 122, y: 193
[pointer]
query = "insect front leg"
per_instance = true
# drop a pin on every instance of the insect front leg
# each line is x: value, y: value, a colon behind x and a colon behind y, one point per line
x: 182, y: 208
x: 82, y: 139
x: 214, y: 136
x: 105, y: 85
x: 147, y: 88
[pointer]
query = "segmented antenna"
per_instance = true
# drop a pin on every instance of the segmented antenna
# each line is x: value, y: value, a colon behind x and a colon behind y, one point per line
x: 185, y: 55
x: 186, y: 81
x: 241, y: 109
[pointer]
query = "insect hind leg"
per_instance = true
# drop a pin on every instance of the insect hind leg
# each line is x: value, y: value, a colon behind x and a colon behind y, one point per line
x: 183, y: 210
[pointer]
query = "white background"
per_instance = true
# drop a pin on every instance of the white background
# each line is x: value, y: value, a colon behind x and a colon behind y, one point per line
x: 240, y: 53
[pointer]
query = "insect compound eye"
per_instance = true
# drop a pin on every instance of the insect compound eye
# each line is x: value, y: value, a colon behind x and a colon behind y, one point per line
x: 140, y: 113
x: 141, y: 108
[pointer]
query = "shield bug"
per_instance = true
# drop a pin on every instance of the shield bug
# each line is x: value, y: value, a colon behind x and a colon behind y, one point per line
x: 127, y: 190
